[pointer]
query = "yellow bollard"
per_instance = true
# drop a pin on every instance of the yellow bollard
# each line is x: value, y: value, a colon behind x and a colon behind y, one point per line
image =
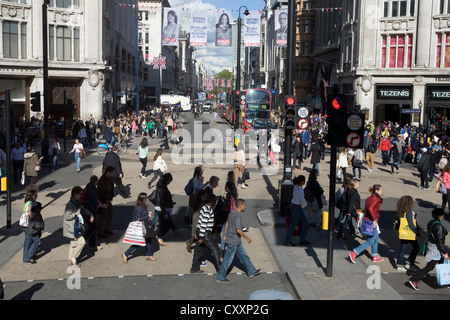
x: 3, y: 184
x: 325, y: 220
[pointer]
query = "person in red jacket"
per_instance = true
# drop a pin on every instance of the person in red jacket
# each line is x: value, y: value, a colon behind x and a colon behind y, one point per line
x: 385, y: 146
x: 372, y: 213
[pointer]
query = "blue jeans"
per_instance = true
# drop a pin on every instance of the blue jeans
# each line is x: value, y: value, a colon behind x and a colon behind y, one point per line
x: 316, y: 166
x: 30, y: 245
x: 239, y: 251
x: 297, y: 215
x: 55, y: 162
x: 147, y: 245
x: 78, y: 160
x: 371, y: 241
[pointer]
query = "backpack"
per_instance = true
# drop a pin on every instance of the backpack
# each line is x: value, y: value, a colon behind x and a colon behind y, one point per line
x: 309, y: 195
x: 189, y: 188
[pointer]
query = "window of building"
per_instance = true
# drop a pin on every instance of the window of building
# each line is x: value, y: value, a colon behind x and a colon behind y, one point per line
x: 10, y: 39
x: 305, y: 50
x: 63, y: 44
x: 398, y: 8
x: 444, y: 6
x: 23, y: 41
x: 16, y: 1
x: 396, y: 51
x: 66, y: 4
x: 443, y: 51
x: 76, y: 44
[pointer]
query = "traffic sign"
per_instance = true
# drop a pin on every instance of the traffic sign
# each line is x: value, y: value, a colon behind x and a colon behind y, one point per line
x: 353, y: 140
x: 303, y: 112
x: 303, y: 124
x: 354, y: 122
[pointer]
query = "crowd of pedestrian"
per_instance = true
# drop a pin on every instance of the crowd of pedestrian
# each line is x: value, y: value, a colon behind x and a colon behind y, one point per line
x: 216, y: 222
x: 426, y: 149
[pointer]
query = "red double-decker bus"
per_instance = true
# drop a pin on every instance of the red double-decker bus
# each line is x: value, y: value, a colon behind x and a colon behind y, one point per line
x: 255, y: 103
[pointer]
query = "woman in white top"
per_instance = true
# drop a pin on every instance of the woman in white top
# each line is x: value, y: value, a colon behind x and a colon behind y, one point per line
x: 159, y: 166
x: 342, y: 162
x: 298, y: 206
x: 275, y: 148
x: 77, y: 147
x: 143, y: 152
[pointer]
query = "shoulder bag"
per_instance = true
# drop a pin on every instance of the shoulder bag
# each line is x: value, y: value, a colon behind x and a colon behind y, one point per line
x: 404, y: 232
x: 148, y: 229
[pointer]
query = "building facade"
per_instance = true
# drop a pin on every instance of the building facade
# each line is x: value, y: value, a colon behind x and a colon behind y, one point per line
x: 395, y: 59
x: 87, y: 42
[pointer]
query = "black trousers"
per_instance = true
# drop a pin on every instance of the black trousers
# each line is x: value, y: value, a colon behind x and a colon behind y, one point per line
x: 208, y: 243
x: 423, y: 272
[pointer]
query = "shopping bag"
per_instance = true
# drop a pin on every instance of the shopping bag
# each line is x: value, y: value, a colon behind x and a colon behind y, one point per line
x: 22, y: 179
x: 134, y: 234
x: 404, y: 232
x: 78, y: 227
x: 443, y: 273
x: 367, y: 228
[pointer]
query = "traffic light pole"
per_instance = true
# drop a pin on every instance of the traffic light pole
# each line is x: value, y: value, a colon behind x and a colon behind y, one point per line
x: 331, y: 205
x: 45, y: 145
x: 289, y: 83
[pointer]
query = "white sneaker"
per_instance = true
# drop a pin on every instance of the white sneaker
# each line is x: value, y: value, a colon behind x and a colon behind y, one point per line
x: 140, y: 175
x: 244, y: 186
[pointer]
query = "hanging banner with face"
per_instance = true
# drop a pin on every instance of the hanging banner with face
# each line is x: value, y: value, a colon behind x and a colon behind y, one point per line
x: 171, y: 26
x: 252, y: 31
x: 199, y: 27
x: 281, y: 21
x: 224, y: 30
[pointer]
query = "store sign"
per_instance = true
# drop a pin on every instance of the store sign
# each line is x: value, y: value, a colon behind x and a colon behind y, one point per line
x: 394, y: 92
x: 439, y: 94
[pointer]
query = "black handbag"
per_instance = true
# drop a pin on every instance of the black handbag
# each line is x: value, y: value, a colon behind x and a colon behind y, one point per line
x: 148, y: 229
x: 152, y: 197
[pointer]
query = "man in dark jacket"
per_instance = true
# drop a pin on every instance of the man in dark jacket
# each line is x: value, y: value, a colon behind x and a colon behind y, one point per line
x: 424, y: 169
x: 92, y: 203
x: 105, y: 192
x: 112, y: 159
x: 297, y: 149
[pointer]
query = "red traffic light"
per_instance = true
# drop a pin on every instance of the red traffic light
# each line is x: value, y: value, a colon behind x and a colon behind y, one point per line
x: 290, y: 101
x: 237, y: 92
x: 336, y: 105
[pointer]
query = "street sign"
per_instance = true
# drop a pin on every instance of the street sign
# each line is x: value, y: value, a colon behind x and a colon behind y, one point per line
x: 354, y: 122
x: 353, y: 140
x: 303, y: 124
x: 303, y: 112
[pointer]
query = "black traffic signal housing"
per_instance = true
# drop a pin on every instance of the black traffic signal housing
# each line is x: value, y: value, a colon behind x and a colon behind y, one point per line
x: 237, y: 100
x: 290, y: 103
x: 336, y: 120
x: 36, y: 101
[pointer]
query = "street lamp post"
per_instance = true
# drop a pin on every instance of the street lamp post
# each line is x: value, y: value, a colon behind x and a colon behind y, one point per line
x: 238, y: 61
x: 139, y: 18
x: 420, y: 115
